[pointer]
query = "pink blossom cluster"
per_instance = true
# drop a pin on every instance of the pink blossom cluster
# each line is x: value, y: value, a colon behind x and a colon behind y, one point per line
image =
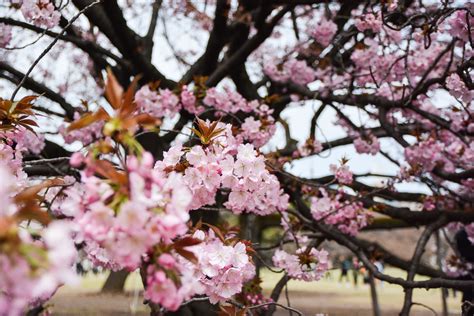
x: 426, y: 155
x: 422, y: 59
x: 161, y: 281
x: 310, y: 147
x: 306, y: 264
x: 5, y: 35
x: 31, y: 277
x: 257, y: 299
x: 228, y: 101
x: 467, y: 188
x: 458, y: 88
x: 164, y: 102
x: 189, y: 101
x: 445, y: 151
x: 367, y: 144
x: 24, y: 283
x: 157, y: 103
x: 455, y: 267
x: 23, y: 140
x: 40, y: 12
x: 342, y: 173
x: 459, y: 27
x: 13, y: 144
x: 120, y: 227
x: 12, y: 160
x: 27, y: 140
x: 369, y: 21
x: 364, y: 143
x: 384, y: 69
x: 458, y: 153
x: 324, y: 31
x: 86, y: 135
x: 230, y: 165
x: 223, y: 268
x: 459, y: 120
x: 292, y: 70
x: 220, y: 272
x: 348, y: 217
x: 429, y: 203
x: 256, y: 132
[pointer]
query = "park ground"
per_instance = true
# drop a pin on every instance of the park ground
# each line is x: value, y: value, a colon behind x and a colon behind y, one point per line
x: 328, y: 297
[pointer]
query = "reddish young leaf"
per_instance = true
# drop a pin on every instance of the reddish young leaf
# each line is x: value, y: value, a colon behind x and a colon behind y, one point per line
x: 113, y: 90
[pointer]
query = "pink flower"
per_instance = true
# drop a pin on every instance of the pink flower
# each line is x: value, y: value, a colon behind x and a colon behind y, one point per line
x: 348, y: 217
x: 341, y: 173
x: 85, y: 135
x: 213, y: 168
x: 222, y: 269
x: 324, y: 31
x: 367, y: 145
x: 160, y: 104
x: 293, y: 70
x: 40, y: 12
x: 77, y: 159
x: 189, y: 101
x: 31, y: 269
x: 300, y: 72
x: 163, y: 291
x: 304, y: 265
x: 425, y: 155
x: 458, y: 88
x: 228, y: 101
x: 5, y: 35
x: 458, y: 26
x: 369, y: 21
x: 120, y: 233
x: 167, y: 261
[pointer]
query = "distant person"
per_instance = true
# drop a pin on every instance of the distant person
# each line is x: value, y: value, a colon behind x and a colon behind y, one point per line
x: 345, y: 267
x: 365, y: 274
x: 355, y: 270
x: 330, y: 267
x: 380, y: 267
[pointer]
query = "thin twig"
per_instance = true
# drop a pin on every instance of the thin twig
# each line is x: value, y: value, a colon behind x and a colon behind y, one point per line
x: 45, y: 161
x: 50, y: 46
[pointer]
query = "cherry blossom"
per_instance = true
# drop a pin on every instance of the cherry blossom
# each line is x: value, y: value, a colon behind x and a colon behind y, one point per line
x: 5, y: 35
x: 223, y: 269
x: 324, y: 31
x: 233, y: 166
x: 458, y: 89
x: 155, y: 211
x: 156, y: 142
x: 40, y: 12
x: 31, y: 277
x: 348, y: 217
x: 293, y: 70
x: 307, y: 264
x: 367, y: 145
x: 86, y: 135
x: 369, y: 21
x: 342, y: 173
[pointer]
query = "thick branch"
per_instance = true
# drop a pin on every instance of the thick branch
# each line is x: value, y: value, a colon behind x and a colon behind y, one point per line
x: 16, y: 76
x: 241, y: 55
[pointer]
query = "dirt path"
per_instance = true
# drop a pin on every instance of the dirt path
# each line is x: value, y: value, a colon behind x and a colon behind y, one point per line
x: 332, y: 304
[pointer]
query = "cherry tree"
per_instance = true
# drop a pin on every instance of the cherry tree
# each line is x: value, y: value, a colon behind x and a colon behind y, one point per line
x: 156, y: 136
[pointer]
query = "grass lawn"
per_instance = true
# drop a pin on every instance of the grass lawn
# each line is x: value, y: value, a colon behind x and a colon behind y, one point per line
x: 327, y: 296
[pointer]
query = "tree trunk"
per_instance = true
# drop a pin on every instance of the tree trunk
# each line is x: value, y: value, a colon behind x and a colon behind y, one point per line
x: 115, y: 282
x: 439, y: 256
x: 373, y: 295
